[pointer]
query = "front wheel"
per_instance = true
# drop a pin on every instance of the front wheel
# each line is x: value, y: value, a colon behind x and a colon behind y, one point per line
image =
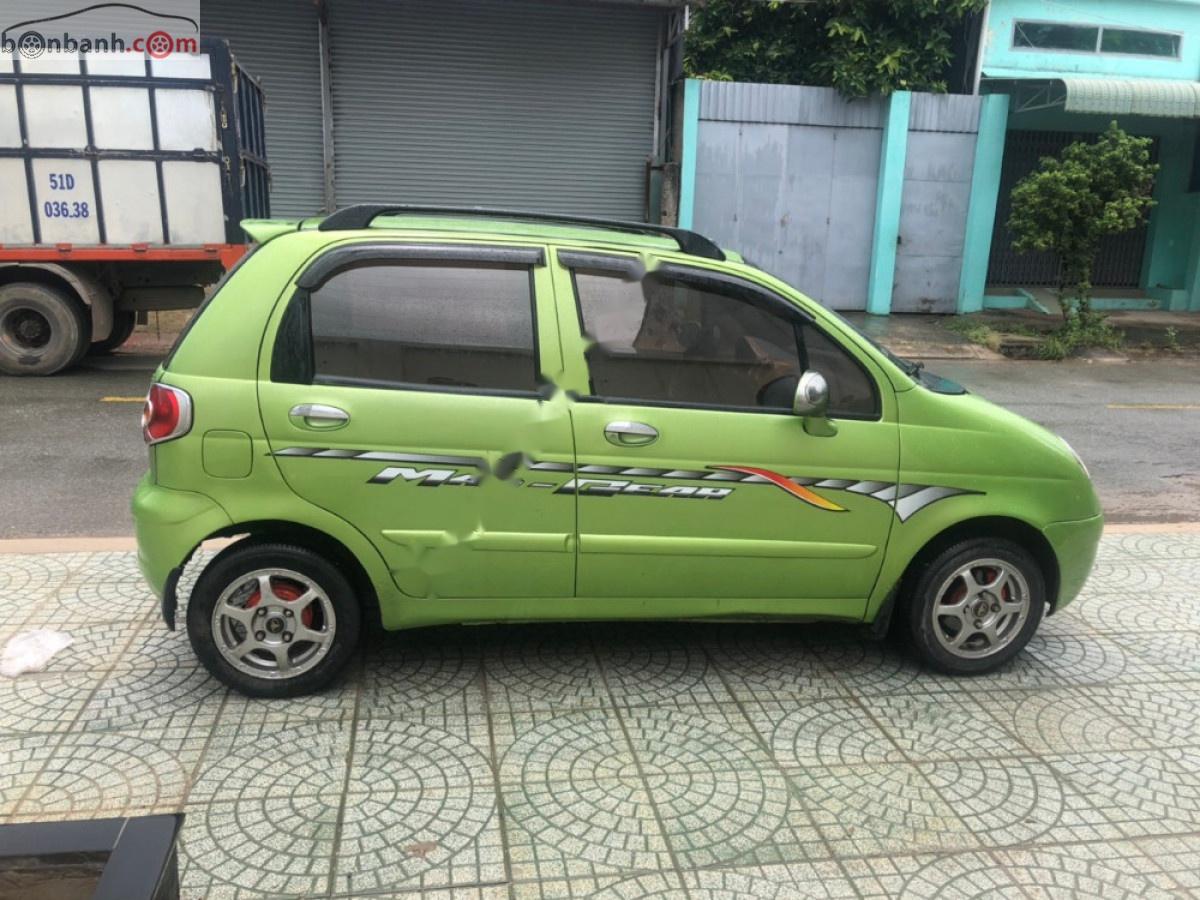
x: 976, y: 605
x: 273, y: 620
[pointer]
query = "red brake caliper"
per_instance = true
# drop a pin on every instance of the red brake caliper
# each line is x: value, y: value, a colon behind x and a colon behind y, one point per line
x: 286, y: 591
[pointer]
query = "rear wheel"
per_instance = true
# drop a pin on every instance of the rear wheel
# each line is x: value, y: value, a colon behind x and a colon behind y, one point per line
x: 43, y: 329
x: 273, y: 620
x: 124, y: 321
x: 976, y: 605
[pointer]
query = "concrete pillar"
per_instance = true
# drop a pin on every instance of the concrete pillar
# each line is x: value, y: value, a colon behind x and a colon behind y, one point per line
x: 887, y: 204
x: 981, y: 209
x: 691, y: 141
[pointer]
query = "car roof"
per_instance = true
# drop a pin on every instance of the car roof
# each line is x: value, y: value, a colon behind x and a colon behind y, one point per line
x: 465, y: 225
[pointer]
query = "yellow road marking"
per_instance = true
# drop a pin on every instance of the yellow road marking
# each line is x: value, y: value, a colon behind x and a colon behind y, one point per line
x: 122, y: 399
x: 1154, y: 406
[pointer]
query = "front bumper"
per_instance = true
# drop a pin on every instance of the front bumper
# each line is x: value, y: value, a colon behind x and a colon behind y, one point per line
x: 169, y: 525
x: 1074, y: 544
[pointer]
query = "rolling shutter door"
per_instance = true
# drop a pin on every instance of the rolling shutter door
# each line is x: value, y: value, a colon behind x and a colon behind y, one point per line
x: 500, y: 103
x: 276, y: 40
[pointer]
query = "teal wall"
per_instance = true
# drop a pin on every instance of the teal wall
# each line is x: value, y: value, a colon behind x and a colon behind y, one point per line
x: 1002, y: 60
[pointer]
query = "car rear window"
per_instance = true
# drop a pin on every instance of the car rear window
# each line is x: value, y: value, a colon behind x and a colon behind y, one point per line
x: 436, y: 325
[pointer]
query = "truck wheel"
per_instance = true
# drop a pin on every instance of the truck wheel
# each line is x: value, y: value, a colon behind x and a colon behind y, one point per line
x: 123, y: 325
x: 43, y: 329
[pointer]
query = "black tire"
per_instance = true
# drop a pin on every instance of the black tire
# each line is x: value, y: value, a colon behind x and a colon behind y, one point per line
x: 236, y: 564
x: 43, y: 329
x: 927, y: 583
x: 124, y: 321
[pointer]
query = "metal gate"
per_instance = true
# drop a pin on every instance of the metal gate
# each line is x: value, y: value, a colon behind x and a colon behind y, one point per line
x: 787, y: 176
x: 1117, y: 265
x: 277, y: 41
x: 514, y: 103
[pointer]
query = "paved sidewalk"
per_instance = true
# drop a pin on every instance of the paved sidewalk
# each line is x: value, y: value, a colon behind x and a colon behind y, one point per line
x: 697, y: 761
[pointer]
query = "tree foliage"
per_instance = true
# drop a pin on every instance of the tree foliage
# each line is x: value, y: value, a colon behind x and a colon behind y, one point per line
x: 1071, y: 201
x: 859, y: 47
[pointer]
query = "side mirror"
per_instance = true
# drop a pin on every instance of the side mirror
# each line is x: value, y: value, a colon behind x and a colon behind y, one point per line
x: 812, y: 395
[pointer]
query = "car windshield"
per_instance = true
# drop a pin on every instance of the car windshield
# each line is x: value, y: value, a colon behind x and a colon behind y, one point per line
x: 914, y: 370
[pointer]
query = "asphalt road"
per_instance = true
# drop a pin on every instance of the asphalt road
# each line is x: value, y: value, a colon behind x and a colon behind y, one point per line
x: 71, y: 448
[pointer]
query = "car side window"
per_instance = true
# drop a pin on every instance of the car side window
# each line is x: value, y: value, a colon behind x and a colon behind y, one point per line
x: 670, y: 338
x: 449, y: 325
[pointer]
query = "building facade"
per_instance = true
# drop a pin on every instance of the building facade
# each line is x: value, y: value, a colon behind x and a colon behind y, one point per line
x: 1054, y: 72
x: 559, y: 105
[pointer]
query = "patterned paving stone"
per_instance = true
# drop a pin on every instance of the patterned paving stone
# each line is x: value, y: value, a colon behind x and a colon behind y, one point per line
x: 45, y: 701
x: 656, y: 664
x: 262, y: 760
x: 110, y: 774
x: 159, y: 693
x: 882, y: 808
x: 1063, y: 720
x: 279, y: 847
x: 1115, y: 614
x: 26, y: 580
x: 931, y: 726
x: 88, y: 599
x: 1005, y: 801
x: 535, y: 668
x: 437, y: 835
x: 21, y: 761
x: 582, y: 828
x: 1173, y: 654
x: 824, y: 880
x: 410, y: 674
x: 823, y: 732
x: 1081, y: 871
x: 678, y: 760
x: 763, y: 663
x: 1176, y: 856
x: 704, y: 738
x: 1138, y: 792
x: 607, y: 887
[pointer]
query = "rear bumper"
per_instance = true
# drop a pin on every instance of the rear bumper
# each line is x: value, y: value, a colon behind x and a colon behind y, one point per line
x: 169, y: 525
x: 1074, y: 545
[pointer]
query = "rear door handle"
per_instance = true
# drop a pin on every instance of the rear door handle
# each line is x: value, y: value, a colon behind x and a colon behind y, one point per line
x: 318, y: 416
x: 630, y: 434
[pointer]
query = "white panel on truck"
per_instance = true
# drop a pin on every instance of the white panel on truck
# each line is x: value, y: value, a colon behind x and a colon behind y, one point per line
x: 121, y: 118
x: 182, y: 65
x: 52, y: 64
x: 54, y: 115
x: 129, y: 191
x: 66, y: 201
x: 185, y: 120
x: 10, y: 127
x: 15, y: 227
x: 115, y: 64
x: 194, y: 210
x: 5, y: 62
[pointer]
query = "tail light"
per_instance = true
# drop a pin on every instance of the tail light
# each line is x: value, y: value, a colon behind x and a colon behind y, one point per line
x: 166, y: 415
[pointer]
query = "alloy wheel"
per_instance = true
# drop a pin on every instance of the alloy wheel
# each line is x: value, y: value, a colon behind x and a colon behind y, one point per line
x: 980, y: 608
x: 273, y: 623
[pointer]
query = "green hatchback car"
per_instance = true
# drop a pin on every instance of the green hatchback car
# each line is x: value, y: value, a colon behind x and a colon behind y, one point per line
x: 410, y: 416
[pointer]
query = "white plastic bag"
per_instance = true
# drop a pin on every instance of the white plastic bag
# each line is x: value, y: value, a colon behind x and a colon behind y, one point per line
x: 31, y: 650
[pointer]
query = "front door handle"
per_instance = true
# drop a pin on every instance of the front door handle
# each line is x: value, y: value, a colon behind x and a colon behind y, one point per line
x: 630, y: 434
x: 318, y: 416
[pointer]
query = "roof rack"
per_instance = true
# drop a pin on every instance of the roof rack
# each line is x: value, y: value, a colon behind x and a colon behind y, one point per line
x: 363, y: 214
